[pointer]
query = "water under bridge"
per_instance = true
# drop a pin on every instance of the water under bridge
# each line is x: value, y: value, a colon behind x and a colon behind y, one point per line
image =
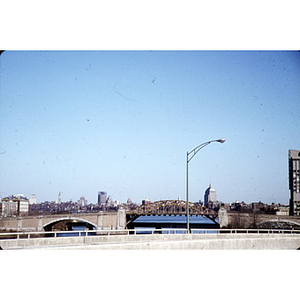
x: 171, y: 208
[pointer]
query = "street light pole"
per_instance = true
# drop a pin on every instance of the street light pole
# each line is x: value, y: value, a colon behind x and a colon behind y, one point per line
x: 188, y: 159
x: 187, y: 194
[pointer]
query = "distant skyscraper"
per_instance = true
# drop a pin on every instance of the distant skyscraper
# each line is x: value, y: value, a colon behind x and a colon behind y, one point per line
x: 294, y: 182
x: 146, y: 201
x: 109, y: 201
x: 82, y: 201
x: 102, y: 196
x: 59, y: 198
x: 32, y: 199
x: 210, y: 195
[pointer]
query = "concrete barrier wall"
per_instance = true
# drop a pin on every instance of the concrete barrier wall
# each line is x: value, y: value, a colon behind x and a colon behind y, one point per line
x: 247, y: 220
x: 161, y: 242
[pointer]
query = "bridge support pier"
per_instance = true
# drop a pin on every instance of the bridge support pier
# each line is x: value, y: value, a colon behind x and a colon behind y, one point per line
x: 121, y: 219
x: 40, y: 223
x: 223, y: 217
x: 19, y: 223
x: 100, y: 220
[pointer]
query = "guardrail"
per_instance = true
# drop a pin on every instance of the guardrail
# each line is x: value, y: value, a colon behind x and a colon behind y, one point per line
x: 55, y: 234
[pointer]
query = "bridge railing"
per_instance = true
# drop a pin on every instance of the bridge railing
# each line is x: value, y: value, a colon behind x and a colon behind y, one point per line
x: 138, y: 231
x: 247, y: 231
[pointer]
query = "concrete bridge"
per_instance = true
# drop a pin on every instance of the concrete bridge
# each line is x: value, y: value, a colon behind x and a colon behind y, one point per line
x: 98, y: 221
x: 256, y: 220
x: 123, y: 219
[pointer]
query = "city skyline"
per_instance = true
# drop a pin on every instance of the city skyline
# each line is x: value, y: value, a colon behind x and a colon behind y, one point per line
x: 80, y: 122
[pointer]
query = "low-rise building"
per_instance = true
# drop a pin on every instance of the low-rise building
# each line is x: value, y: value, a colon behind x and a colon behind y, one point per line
x: 17, y: 205
x: 283, y: 210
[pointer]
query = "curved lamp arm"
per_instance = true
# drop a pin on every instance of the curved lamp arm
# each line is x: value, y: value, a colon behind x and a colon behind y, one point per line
x: 198, y: 148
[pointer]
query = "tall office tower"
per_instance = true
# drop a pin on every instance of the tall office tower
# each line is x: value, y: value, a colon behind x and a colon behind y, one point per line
x: 59, y: 198
x: 82, y: 201
x: 102, y: 197
x: 32, y: 199
x: 210, y: 196
x: 294, y: 182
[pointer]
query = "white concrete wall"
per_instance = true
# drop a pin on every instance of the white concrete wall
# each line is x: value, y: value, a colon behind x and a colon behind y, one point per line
x: 162, y: 242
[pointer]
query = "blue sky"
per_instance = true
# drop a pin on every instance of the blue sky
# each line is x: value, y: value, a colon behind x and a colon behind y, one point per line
x: 122, y: 121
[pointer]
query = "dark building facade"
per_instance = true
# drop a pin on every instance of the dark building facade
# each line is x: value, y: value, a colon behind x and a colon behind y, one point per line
x: 102, y: 196
x: 294, y: 182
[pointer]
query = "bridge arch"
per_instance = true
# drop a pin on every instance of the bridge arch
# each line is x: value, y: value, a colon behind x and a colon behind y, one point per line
x: 52, y: 222
x: 277, y: 221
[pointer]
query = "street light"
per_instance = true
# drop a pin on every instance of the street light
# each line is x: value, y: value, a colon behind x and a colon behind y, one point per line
x: 188, y: 159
